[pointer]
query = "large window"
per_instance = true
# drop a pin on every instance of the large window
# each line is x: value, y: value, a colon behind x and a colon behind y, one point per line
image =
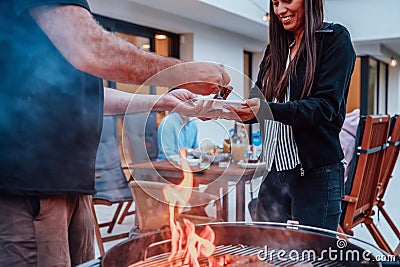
x: 149, y: 39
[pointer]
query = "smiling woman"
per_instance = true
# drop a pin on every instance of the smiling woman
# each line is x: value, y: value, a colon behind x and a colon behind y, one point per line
x: 305, y: 85
x: 291, y: 14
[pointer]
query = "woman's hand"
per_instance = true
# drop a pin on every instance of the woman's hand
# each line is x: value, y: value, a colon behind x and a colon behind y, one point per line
x: 248, y: 111
x: 186, y: 103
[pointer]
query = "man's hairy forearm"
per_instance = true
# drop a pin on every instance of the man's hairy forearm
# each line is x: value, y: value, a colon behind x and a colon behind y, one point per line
x: 90, y: 48
x: 116, y: 59
x: 118, y: 102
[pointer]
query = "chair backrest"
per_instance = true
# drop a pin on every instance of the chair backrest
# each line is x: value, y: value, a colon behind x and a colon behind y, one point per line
x: 391, y: 155
x: 139, y: 136
x: 112, y: 184
x: 364, y: 177
x: 152, y: 209
x: 352, y: 165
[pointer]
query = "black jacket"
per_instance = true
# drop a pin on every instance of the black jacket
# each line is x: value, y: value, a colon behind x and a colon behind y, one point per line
x: 316, y: 120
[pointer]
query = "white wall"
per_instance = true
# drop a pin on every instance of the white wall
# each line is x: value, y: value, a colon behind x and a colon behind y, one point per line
x: 366, y: 19
x: 186, y: 47
x: 253, y: 10
x: 257, y: 57
x: 394, y: 90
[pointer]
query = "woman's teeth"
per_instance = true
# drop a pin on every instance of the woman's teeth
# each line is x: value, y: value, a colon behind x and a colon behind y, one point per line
x: 284, y: 19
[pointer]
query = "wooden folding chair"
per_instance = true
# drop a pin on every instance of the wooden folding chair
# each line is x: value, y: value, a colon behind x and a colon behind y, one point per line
x: 364, y: 178
x: 137, y: 135
x: 389, y: 162
x: 152, y: 209
x: 111, y: 183
x: 139, y: 141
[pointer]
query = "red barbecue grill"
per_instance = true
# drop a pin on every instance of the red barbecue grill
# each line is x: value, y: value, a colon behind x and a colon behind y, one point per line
x: 253, y: 244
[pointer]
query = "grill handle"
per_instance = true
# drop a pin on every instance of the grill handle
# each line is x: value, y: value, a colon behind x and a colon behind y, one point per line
x: 146, y: 252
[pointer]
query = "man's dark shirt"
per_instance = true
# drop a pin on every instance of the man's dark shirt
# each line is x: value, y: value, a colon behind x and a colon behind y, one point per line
x: 50, y: 112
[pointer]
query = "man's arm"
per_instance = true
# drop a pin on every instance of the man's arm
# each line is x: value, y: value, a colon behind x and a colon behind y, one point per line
x: 92, y: 49
x: 180, y: 101
x: 117, y: 102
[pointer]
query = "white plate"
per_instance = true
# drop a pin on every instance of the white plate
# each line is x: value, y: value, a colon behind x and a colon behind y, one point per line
x: 220, y: 104
x: 246, y: 165
x: 217, y: 157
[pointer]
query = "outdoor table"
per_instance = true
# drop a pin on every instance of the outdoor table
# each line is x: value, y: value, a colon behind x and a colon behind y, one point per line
x: 232, y: 173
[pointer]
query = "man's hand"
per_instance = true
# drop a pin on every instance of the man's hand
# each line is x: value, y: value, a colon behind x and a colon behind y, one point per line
x: 203, y: 78
x: 207, y: 78
x: 92, y: 49
x: 186, y: 103
x: 180, y: 101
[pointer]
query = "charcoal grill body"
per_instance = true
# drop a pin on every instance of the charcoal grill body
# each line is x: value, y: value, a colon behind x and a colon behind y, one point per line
x: 256, y: 236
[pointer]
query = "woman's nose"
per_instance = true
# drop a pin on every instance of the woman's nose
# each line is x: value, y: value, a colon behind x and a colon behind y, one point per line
x: 281, y: 9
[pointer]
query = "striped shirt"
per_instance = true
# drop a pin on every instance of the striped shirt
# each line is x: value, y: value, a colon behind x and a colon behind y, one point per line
x: 279, y: 144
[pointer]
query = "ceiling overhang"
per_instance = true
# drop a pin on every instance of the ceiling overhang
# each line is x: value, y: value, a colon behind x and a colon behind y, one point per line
x: 211, y: 15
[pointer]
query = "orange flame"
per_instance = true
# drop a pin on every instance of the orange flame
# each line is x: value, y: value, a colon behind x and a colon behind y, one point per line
x: 185, y: 242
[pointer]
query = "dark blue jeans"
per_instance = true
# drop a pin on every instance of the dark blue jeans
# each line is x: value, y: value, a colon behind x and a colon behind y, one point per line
x: 313, y: 199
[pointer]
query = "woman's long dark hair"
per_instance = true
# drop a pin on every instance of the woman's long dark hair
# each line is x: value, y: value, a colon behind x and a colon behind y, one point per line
x: 276, y: 78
